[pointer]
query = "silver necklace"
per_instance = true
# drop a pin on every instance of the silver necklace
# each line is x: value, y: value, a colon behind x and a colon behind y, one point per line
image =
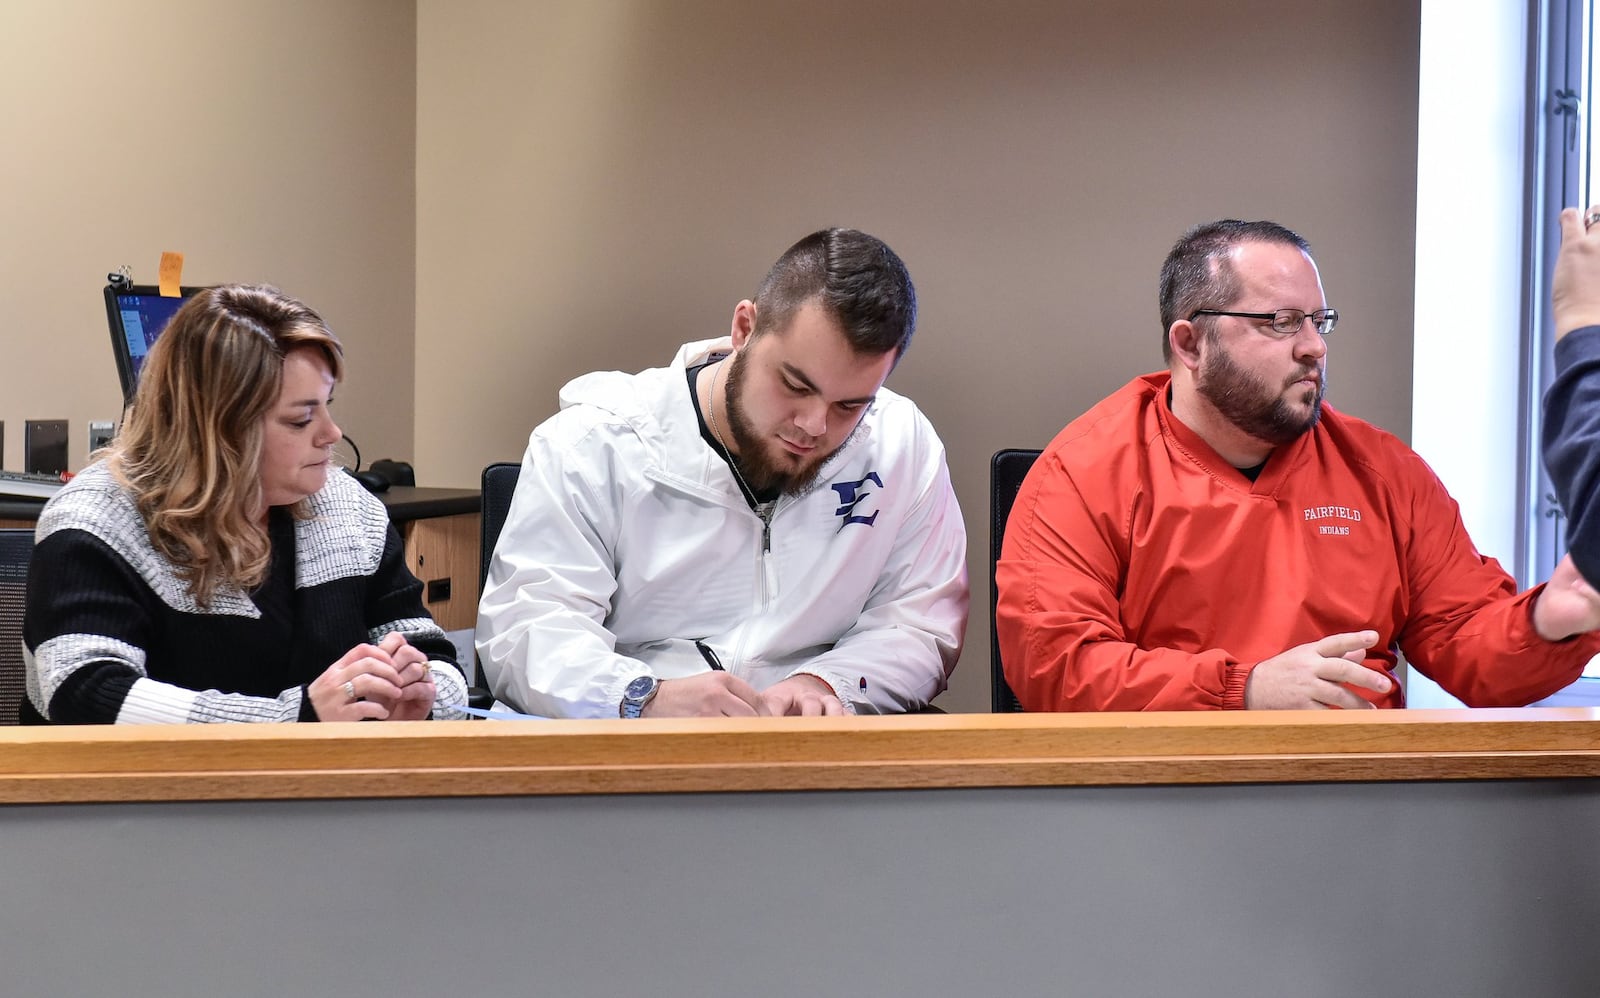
x: 716, y: 431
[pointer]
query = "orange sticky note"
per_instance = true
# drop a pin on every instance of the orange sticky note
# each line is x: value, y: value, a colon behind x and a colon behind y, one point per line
x: 171, y: 275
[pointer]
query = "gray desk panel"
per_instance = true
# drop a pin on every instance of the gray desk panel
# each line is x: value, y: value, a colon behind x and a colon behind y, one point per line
x: 1461, y: 889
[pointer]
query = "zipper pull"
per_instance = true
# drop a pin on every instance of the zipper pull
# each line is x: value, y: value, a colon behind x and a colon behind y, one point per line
x: 766, y: 511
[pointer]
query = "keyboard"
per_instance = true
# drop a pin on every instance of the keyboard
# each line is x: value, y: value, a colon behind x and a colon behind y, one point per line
x: 25, y: 485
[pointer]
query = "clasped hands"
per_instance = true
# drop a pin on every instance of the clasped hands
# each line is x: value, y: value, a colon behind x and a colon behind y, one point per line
x: 388, y: 681
x: 718, y: 694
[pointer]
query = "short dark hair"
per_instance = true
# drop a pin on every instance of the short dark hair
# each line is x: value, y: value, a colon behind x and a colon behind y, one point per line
x: 859, y: 281
x: 1197, y: 273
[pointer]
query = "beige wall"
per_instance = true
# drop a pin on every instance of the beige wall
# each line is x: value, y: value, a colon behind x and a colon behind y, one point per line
x: 266, y: 141
x: 599, y: 181
x: 585, y: 184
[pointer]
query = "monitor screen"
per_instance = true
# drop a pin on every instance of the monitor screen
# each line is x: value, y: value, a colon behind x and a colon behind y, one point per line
x: 137, y: 316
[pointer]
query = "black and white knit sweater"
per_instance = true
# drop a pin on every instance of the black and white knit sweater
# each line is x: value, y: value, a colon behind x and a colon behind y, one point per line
x: 112, y: 635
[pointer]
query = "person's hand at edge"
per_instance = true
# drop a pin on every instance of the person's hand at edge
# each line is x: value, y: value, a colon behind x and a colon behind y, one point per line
x: 1575, y: 284
x: 1567, y: 605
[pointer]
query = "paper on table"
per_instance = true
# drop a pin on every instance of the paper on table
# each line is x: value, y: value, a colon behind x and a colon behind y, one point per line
x: 500, y: 715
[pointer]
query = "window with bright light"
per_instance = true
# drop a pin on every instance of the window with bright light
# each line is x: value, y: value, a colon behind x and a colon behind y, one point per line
x: 1564, y: 131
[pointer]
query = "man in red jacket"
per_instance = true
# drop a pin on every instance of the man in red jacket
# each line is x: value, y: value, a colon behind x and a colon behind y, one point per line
x: 1215, y: 536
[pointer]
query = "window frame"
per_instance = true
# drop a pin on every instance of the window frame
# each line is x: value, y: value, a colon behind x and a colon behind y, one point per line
x: 1562, y: 135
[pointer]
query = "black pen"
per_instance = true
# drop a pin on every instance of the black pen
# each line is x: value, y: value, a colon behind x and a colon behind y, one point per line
x: 709, y: 655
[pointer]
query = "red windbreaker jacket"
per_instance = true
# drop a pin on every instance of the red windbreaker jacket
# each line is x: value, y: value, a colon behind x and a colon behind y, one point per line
x: 1141, y: 571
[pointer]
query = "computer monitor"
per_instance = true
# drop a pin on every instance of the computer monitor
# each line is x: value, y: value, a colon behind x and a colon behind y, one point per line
x: 137, y: 314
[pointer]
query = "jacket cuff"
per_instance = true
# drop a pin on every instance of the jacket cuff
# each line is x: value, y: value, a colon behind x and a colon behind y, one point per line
x: 307, y: 712
x: 1233, y: 685
x: 839, y: 688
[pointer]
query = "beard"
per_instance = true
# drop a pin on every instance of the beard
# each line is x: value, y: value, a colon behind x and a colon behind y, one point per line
x: 1252, y: 405
x: 766, y: 467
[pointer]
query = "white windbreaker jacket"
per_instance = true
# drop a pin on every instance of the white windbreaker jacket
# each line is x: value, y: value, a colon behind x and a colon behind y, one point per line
x: 628, y: 540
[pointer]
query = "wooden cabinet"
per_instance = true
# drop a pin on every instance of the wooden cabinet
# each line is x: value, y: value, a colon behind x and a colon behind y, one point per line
x: 440, y: 528
x: 442, y: 551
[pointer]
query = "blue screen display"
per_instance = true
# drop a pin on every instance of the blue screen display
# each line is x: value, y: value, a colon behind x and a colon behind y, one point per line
x: 143, y: 319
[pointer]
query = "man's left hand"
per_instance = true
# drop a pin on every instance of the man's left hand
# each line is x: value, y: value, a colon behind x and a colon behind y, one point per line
x: 803, y: 695
x: 1568, y: 605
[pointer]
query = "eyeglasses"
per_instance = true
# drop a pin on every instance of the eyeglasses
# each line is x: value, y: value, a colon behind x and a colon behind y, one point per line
x: 1285, y: 321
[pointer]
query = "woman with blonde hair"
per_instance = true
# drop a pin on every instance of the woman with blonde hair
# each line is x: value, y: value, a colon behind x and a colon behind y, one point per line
x: 209, y: 567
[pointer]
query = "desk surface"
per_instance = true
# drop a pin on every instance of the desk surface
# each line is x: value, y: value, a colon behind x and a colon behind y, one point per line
x: 421, y: 504
x: 478, y: 758
x: 403, y: 503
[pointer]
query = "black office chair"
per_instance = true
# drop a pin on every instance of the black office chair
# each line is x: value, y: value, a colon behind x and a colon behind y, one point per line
x: 499, y: 485
x: 16, y: 549
x: 1007, y: 469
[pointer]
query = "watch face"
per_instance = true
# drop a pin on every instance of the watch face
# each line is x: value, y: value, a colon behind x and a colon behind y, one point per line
x: 639, y: 688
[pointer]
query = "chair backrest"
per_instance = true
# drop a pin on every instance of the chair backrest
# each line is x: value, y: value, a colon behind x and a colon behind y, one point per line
x: 499, y: 485
x: 1007, y: 469
x: 16, y: 550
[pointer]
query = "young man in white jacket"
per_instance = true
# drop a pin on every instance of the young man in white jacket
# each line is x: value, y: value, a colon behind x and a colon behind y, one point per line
x: 760, y: 528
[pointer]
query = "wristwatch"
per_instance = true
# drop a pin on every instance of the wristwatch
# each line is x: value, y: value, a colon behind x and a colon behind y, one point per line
x: 639, y: 692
